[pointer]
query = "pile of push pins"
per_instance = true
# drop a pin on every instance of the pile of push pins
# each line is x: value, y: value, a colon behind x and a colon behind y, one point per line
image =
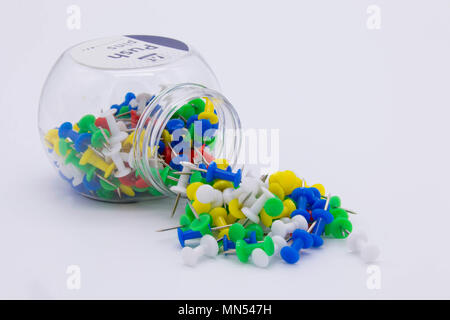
x: 257, y: 218
x: 231, y: 213
x: 94, y: 154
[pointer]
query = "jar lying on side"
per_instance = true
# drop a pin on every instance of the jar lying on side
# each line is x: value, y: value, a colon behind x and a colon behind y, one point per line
x: 118, y: 117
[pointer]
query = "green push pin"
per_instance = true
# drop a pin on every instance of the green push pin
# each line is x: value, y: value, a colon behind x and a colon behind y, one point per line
x: 185, y: 112
x: 198, y: 104
x: 210, y: 142
x: 124, y: 112
x: 244, y: 249
x: 197, y: 177
x: 339, y: 213
x: 105, y: 194
x: 154, y: 192
x: 339, y: 228
x: 108, y: 185
x: 236, y: 232
x: 254, y: 227
x: 335, y: 202
x: 64, y: 146
x: 185, y: 222
x: 274, y: 206
x: 188, y: 211
x: 99, y: 135
x: 202, y: 224
x: 71, y: 158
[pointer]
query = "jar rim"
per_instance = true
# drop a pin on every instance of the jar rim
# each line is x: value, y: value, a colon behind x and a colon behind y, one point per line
x: 160, y: 110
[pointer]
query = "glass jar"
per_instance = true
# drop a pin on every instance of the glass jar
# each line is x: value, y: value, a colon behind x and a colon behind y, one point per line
x: 118, y: 115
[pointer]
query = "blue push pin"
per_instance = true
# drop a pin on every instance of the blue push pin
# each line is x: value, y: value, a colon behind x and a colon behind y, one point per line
x: 187, y: 235
x: 319, y: 204
x: 228, y: 244
x: 304, y: 197
x: 79, y: 188
x: 213, y: 173
x: 301, y: 240
x: 128, y: 97
x: 92, y: 185
x: 322, y: 217
x: 174, y: 124
x: 80, y: 141
x: 191, y: 120
x: 161, y: 147
x: 175, y: 163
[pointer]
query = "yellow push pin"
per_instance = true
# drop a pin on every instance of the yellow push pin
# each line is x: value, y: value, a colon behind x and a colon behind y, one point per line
x: 52, y: 140
x: 90, y: 157
x: 127, y: 190
x: 191, y: 190
x: 277, y: 190
x: 166, y: 137
x: 219, y: 216
x: 209, y: 112
x: 222, y: 184
x: 288, y: 208
x: 234, y: 207
x: 201, y: 207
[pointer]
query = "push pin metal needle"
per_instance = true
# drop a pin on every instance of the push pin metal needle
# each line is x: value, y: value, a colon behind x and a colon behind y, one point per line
x: 193, y: 209
x: 184, y: 226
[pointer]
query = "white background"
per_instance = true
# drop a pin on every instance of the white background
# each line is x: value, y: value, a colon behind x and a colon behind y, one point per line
x: 365, y: 112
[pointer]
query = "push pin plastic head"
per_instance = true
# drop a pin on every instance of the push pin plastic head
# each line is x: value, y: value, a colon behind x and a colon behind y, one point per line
x: 208, y: 247
x: 358, y: 243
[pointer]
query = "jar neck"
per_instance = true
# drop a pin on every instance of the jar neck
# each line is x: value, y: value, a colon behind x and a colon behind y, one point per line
x: 156, y: 115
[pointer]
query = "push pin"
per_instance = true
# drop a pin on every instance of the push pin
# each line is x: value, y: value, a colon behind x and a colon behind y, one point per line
x: 115, y: 156
x: 282, y: 229
x: 81, y: 141
x: 301, y: 239
x: 209, y: 114
x: 272, y: 208
x: 208, y: 247
x: 117, y: 135
x: 322, y: 217
x: 180, y: 188
x: 207, y: 194
x: 99, y: 135
x: 90, y: 157
x: 358, y: 243
x: 243, y: 249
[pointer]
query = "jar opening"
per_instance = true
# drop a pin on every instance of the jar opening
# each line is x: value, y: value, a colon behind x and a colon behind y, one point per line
x: 218, y: 139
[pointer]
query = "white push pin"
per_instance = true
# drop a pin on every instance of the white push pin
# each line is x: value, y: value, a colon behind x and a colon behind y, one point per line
x: 208, y: 247
x: 207, y: 194
x: 253, y: 212
x: 117, y: 135
x: 142, y: 100
x: 114, y: 154
x: 357, y: 242
x: 247, y: 200
x: 260, y: 258
x: 279, y: 228
x: 252, y: 184
x: 231, y: 193
x: 180, y: 187
x: 279, y: 243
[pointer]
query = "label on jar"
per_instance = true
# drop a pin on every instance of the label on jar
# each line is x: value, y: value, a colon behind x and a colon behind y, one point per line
x: 128, y: 52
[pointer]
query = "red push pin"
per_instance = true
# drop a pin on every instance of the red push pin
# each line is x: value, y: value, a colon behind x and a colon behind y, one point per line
x: 134, y: 118
x: 129, y: 180
x: 102, y: 123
